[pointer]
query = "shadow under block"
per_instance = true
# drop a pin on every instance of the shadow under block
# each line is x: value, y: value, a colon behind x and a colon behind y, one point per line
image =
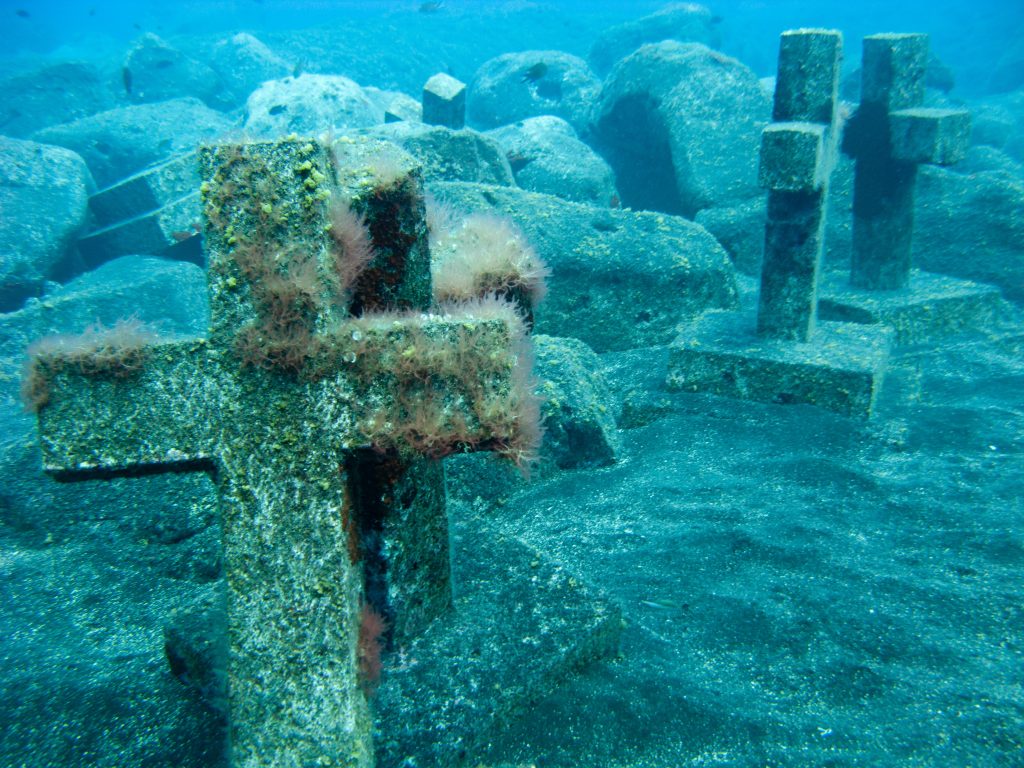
x: 520, y: 624
x: 930, y: 308
x: 840, y: 369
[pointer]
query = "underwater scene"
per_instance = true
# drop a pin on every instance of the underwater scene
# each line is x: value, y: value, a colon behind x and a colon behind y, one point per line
x: 511, y: 384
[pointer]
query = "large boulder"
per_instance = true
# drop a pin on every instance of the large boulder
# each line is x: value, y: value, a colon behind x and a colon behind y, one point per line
x: 119, y: 142
x: 448, y: 155
x: 546, y: 156
x: 515, y: 86
x: 619, y: 279
x: 49, y: 95
x: 243, y: 62
x: 154, y: 70
x: 310, y: 105
x: 681, y: 125
x: 44, y: 199
x: 970, y: 225
x: 684, y: 22
x: 998, y: 121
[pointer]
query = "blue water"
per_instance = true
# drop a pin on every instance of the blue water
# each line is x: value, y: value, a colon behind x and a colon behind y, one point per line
x: 797, y: 588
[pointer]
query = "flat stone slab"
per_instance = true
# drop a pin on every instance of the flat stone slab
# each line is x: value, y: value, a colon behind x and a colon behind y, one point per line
x: 521, y: 623
x: 930, y: 308
x: 147, y: 190
x: 841, y: 368
x: 174, y: 226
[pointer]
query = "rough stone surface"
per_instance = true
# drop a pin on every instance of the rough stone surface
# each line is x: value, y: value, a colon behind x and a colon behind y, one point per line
x: 619, y: 279
x: 43, y: 207
x: 681, y: 126
x: 154, y: 70
x: 444, y: 101
x: 740, y: 230
x: 309, y: 105
x: 546, y: 156
x: 173, y: 229
x: 447, y: 155
x: 683, y: 22
x: 969, y: 225
x: 243, y: 62
x: 579, y: 422
x: 147, y: 190
x: 122, y: 141
x: 840, y: 368
x: 49, y: 95
x: 931, y: 308
x: 515, y: 86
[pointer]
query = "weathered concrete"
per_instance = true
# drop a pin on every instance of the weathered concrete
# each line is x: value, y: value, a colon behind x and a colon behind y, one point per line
x: 444, y: 101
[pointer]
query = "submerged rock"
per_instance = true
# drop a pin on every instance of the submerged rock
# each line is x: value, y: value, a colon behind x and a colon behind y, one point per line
x: 308, y: 104
x: 684, y: 22
x: 44, y: 195
x: 619, y: 279
x: 546, y: 156
x: 515, y: 86
x: 681, y: 125
x: 154, y: 70
x: 49, y: 95
x: 243, y: 62
x: 579, y: 426
x: 447, y: 155
x: 119, y: 142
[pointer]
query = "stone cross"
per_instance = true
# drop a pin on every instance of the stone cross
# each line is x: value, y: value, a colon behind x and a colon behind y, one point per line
x: 797, y: 155
x: 889, y: 136
x: 282, y: 403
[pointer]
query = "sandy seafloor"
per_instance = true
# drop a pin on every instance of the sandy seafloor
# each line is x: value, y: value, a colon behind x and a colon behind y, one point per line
x: 801, y: 589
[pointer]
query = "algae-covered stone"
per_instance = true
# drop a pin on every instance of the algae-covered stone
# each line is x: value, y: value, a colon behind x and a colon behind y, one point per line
x: 619, y: 279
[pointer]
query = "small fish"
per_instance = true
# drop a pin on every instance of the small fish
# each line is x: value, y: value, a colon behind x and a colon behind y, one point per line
x: 614, y: 202
x: 431, y: 7
x: 126, y: 78
x: 299, y: 68
x: 664, y: 605
x: 517, y: 161
x: 277, y: 109
x: 535, y: 73
x: 22, y: 14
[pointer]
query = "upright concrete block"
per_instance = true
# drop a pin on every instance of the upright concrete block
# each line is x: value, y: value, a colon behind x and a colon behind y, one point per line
x: 444, y: 101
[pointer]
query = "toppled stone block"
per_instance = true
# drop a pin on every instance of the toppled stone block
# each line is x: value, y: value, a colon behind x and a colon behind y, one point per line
x: 174, y: 226
x: 147, y: 190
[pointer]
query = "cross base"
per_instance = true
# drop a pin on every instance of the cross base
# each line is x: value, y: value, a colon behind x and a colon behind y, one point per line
x: 840, y: 369
x: 930, y: 308
x: 519, y: 625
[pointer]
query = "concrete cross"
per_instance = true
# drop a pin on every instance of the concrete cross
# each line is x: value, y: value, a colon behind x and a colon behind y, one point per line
x: 889, y: 136
x: 797, y: 156
x: 281, y: 403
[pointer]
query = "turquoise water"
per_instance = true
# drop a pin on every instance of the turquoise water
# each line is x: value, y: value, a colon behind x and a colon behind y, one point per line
x: 685, y: 577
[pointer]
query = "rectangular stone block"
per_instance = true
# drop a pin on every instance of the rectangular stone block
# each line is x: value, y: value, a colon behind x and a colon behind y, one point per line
x: 931, y: 308
x: 444, y: 101
x: 939, y: 136
x: 808, y: 75
x: 793, y: 157
x: 840, y: 369
x: 893, y: 68
x: 174, y: 226
x: 146, y: 191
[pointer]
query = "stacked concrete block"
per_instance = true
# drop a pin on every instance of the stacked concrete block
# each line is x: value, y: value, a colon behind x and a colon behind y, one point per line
x: 156, y: 212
